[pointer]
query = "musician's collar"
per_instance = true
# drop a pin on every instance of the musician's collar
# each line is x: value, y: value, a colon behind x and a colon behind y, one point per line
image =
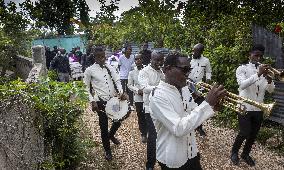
x: 102, y: 66
x: 254, y: 64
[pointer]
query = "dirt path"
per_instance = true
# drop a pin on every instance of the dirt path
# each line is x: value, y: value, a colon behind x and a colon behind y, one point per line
x: 131, y: 153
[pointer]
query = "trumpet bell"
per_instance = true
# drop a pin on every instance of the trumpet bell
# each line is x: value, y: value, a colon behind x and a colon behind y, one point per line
x: 267, y: 108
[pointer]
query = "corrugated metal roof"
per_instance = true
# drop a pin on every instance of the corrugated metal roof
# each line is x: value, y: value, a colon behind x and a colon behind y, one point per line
x: 278, y: 111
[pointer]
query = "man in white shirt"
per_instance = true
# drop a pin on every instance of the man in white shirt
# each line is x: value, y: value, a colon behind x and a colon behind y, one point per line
x: 125, y: 63
x: 148, y: 78
x: 200, y: 67
x: 253, y: 82
x: 105, y: 84
x: 175, y: 115
x: 135, y: 87
x: 114, y: 58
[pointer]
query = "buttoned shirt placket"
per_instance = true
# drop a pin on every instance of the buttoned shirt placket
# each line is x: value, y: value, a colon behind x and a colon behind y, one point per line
x: 185, y: 102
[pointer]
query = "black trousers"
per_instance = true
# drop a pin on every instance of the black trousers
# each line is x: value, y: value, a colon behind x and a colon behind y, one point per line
x: 103, y: 122
x: 249, y: 124
x: 126, y: 89
x: 199, y: 100
x: 191, y: 164
x: 141, y: 118
x: 151, y: 142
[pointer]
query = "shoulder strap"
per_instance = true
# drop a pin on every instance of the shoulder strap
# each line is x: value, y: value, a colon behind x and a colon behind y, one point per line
x: 114, y: 84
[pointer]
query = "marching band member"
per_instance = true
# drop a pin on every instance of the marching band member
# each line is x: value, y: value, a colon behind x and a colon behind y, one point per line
x: 148, y: 78
x: 106, y: 84
x: 135, y: 87
x: 175, y: 115
x: 200, y: 67
x: 253, y: 82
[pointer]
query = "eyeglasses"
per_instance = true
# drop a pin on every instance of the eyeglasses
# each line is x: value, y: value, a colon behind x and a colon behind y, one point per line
x: 185, y: 69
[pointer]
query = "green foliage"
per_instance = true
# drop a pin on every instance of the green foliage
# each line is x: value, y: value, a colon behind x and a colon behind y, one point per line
x: 264, y: 134
x: 61, y: 106
x: 52, y: 15
x: 52, y: 74
x: 14, y: 39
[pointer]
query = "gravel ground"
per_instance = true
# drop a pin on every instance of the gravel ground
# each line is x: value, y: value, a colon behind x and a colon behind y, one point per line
x: 131, y: 153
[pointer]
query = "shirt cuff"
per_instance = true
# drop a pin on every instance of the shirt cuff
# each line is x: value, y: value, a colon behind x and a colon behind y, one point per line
x: 255, y: 77
x: 208, y: 76
x: 206, y: 108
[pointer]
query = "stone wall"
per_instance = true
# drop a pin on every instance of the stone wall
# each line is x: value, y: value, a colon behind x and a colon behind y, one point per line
x: 39, y: 64
x: 32, y: 68
x: 23, y: 66
x: 21, y: 142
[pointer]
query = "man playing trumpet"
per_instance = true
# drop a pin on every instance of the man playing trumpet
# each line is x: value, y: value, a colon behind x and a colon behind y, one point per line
x: 253, y: 81
x: 175, y: 115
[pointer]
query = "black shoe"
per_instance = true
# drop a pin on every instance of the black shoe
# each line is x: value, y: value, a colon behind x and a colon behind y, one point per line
x: 235, y: 158
x: 248, y: 160
x: 108, y: 156
x: 144, y: 139
x: 114, y: 140
x: 149, y: 168
x: 201, y: 132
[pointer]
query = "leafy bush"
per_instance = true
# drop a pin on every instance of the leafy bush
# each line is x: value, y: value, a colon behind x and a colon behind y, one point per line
x: 61, y: 106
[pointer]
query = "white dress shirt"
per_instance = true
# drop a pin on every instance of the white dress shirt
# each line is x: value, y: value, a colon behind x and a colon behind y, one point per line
x: 125, y: 65
x: 175, y: 117
x: 251, y: 86
x: 148, y: 79
x: 200, y: 67
x: 101, y: 81
x: 134, y: 85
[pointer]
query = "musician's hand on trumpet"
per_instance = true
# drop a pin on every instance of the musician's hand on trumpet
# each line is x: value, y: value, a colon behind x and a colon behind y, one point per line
x: 214, y: 96
x: 264, y: 70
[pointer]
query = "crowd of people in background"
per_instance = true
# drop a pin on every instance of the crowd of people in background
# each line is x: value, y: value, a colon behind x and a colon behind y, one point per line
x: 79, y: 61
x: 68, y: 66
x: 162, y: 90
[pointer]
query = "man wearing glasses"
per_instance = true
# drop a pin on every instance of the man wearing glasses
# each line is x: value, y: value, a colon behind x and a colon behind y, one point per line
x: 175, y: 115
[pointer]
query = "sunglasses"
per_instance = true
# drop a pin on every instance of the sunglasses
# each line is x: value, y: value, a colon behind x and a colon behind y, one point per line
x: 185, y: 69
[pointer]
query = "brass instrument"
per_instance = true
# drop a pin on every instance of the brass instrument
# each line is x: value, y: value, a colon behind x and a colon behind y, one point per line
x: 274, y: 73
x: 235, y: 102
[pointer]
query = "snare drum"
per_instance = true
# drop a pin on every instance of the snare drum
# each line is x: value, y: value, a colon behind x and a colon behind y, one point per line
x: 117, y: 109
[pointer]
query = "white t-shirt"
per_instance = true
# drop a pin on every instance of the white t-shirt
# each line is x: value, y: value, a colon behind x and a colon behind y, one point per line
x: 125, y: 66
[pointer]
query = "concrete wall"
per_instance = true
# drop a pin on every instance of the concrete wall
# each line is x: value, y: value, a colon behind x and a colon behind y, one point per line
x: 30, y: 69
x: 21, y: 143
x: 23, y: 66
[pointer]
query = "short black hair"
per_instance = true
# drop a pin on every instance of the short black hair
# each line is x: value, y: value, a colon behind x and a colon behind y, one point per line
x: 258, y: 47
x: 97, y: 50
x: 128, y: 46
x: 172, y: 58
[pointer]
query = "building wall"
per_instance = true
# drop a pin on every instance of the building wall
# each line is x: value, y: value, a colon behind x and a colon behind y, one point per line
x: 66, y: 42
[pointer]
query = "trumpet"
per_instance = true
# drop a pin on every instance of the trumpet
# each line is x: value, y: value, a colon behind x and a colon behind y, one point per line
x: 236, y: 102
x: 274, y: 73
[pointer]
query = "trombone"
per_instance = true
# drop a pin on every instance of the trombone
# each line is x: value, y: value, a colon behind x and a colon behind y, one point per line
x: 236, y: 102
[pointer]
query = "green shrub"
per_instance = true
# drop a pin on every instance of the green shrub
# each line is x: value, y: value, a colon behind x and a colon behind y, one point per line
x: 264, y: 134
x: 61, y: 106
